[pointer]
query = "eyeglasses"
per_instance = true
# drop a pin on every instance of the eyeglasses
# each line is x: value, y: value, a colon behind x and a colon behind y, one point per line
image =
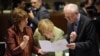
x: 69, y: 17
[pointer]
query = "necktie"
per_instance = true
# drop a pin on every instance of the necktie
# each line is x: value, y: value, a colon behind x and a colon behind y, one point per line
x: 75, y: 27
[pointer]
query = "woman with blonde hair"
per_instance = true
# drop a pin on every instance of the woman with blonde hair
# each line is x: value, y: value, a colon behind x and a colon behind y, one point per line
x: 46, y: 30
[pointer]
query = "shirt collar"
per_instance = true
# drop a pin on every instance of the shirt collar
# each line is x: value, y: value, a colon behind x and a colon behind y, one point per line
x: 78, y: 18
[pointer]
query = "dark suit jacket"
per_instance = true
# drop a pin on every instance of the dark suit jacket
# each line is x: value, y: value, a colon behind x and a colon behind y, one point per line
x: 13, y: 48
x: 83, y: 12
x: 97, y: 22
x: 39, y: 14
x: 86, y: 44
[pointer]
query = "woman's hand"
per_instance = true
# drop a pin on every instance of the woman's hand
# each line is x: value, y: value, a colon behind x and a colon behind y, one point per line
x: 25, y: 38
x: 25, y: 41
x: 41, y: 52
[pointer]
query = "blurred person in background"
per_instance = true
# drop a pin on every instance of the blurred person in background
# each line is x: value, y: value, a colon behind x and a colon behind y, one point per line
x: 97, y: 15
x: 36, y: 12
x: 97, y: 20
x: 17, y: 4
x: 84, y: 4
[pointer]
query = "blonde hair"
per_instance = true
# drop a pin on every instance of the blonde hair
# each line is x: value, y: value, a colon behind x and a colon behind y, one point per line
x: 18, y: 15
x: 45, y: 25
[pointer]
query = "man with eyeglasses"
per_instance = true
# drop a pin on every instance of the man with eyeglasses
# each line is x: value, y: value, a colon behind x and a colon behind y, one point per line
x: 81, y: 33
x: 37, y: 12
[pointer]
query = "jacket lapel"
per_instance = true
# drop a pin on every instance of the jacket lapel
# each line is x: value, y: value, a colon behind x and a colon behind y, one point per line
x: 81, y: 22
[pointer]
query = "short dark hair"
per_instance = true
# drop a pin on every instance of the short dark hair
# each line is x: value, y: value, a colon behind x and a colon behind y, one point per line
x: 97, y: 2
x: 40, y: 0
x: 16, y: 2
x: 83, y: 3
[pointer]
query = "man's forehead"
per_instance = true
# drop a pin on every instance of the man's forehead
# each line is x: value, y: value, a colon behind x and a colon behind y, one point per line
x: 34, y: 1
x: 68, y: 11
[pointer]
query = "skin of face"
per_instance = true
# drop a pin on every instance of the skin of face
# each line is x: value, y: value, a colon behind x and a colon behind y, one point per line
x: 23, y: 23
x: 90, y: 3
x: 36, y: 4
x: 48, y: 34
x: 98, y: 8
x: 22, y: 5
x: 71, y: 17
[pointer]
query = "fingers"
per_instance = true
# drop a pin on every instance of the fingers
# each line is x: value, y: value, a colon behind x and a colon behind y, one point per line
x: 71, y: 46
x: 31, y: 15
x: 42, y: 52
x: 73, y: 36
x: 25, y: 38
x: 25, y: 41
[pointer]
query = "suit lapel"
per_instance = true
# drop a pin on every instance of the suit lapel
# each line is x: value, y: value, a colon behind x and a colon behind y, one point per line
x: 81, y: 22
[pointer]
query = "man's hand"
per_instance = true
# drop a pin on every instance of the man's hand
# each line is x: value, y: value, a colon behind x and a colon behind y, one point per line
x: 71, y: 46
x: 31, y: 15
x: 73, y: 36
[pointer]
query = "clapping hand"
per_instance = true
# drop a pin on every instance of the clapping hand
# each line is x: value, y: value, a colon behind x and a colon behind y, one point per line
x: 25, y: 38
x: 25, y: 41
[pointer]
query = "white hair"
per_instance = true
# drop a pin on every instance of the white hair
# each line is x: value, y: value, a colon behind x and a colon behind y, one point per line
x: 71, y: 7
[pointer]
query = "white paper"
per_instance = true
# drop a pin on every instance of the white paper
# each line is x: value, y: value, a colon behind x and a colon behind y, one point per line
x: 56, y: 46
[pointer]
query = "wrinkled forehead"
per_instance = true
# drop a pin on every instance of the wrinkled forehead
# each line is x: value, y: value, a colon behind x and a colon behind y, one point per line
x: 35, y: 1
x: 68, y: 12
